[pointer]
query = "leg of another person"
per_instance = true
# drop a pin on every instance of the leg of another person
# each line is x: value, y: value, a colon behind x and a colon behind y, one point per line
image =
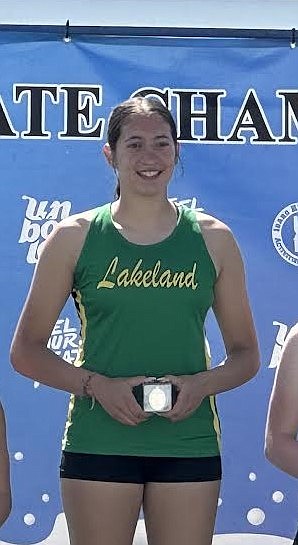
x: 101, y: 513
x: 177, y: 513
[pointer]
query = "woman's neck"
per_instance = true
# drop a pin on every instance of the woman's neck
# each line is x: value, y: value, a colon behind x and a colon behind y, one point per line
x: 144, y: 224
x: 144, y: 213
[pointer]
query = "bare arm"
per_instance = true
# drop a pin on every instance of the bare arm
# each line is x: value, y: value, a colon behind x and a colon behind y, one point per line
x: 50, y: 289
x: 233, y: 314
x: 5, y: 492
x: 281, y: 446
x: 232, y: 311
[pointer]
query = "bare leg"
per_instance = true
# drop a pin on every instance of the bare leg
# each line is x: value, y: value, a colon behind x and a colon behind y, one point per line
x: 101, y: 513
x: 177, y: 513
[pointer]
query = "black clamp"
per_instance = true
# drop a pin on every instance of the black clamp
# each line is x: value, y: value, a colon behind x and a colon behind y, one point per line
x: 293, y: 39
x: 67, y: 37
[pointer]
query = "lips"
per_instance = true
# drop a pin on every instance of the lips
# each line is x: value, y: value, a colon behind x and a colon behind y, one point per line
x: 149, y: 174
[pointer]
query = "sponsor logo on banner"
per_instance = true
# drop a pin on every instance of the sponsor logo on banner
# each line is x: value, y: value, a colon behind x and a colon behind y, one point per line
x: 280, y: 338
x: 189, y: 202
x: 40, y: 219
x: 64, y: 340
x: 285, y: 233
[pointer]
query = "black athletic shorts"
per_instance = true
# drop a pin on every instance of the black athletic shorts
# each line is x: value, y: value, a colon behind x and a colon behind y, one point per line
x: 139, y: 469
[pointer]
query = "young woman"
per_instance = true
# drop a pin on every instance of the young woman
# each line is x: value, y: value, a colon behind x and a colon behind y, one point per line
x: 281, y: 446
x: 143, y: 273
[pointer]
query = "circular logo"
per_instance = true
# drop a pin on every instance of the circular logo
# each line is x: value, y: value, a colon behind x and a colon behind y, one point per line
x: 285, y: 233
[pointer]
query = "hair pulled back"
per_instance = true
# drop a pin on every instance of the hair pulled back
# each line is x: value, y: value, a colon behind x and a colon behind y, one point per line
x: 134, y: 106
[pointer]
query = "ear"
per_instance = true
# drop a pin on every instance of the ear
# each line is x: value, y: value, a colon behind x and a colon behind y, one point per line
x: 108, y: 154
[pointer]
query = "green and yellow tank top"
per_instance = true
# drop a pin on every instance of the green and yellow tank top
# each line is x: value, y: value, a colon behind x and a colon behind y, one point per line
x: 142, y: 310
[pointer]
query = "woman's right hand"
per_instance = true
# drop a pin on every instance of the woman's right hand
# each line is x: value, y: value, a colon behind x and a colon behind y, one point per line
x: 116, y: 397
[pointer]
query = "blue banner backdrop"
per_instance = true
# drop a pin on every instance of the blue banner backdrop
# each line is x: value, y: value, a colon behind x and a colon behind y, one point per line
x: 236, y: 106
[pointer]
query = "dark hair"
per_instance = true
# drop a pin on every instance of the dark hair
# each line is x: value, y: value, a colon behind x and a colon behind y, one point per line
x: 132, y: 106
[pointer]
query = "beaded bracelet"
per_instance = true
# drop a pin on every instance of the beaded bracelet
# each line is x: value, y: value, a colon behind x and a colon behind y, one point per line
x: 87, y: 389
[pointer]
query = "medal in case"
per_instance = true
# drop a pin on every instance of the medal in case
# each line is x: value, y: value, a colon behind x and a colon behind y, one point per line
x: 156, y: 396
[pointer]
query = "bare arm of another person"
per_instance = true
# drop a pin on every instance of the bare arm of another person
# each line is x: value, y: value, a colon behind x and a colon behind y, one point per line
x: 5, y: 492
x: 281, y: 446
x: 232, y: 311
x: 49, y: 291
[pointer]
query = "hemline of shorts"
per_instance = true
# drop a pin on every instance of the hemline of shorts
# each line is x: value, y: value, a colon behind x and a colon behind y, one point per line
x: 139, y: 469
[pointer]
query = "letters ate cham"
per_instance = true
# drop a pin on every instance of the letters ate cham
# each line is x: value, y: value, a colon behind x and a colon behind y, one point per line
x: 79, y: 102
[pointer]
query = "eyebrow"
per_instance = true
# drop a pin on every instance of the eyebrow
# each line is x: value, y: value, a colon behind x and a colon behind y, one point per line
x: 159, y: 136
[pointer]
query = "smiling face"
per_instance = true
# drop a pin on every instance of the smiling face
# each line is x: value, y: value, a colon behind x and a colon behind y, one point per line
x: 144, y: 156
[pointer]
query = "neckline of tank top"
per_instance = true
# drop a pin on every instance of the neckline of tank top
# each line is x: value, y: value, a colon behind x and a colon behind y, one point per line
x: 168, y: 238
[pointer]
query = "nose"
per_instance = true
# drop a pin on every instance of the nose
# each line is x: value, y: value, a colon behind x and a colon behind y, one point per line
x: 148, y: 156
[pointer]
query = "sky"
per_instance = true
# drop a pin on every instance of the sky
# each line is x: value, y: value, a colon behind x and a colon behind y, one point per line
x: 282, y: 14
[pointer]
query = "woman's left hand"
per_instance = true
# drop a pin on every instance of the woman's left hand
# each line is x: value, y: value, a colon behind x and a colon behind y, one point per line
x: 190, y: 395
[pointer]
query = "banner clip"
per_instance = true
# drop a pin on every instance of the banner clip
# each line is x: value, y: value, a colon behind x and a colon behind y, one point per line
x: 293, y: 39
x: 66, y: 37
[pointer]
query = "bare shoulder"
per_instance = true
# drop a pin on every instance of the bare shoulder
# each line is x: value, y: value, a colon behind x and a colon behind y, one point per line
x: 213, y: 227
x: 76, y: 224
x: 219, y: 239
x: 210, y: 222
x: 290, y: 349
x: 293, y: 334
x: 286, y: 381
x: 70, y: 234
